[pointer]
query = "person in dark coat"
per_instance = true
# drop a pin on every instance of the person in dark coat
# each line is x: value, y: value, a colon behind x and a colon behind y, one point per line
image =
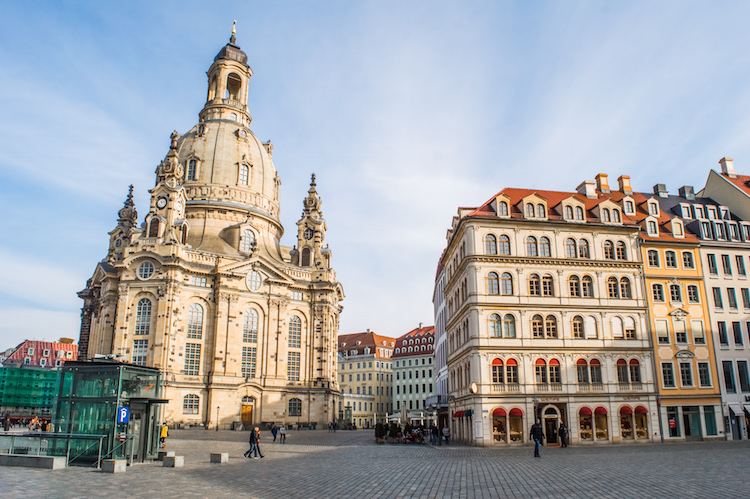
x: 563, y: 435
x: 257, y: 441
x: 537, y: 435
x: 253, y: 444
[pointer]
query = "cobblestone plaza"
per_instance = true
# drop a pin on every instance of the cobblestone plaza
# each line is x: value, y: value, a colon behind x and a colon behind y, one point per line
x: 319, y: 464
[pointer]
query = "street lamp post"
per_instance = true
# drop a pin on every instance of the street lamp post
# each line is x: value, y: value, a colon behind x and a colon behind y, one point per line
x: 536, y: 409
x: 217, y: 418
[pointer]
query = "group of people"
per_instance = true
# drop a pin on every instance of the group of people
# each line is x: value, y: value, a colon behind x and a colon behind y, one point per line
x: 537, y: 435
x: 276, y: 431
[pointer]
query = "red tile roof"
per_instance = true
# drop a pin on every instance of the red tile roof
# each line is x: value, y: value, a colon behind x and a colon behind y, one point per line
x: 427, y: 332
x: 360, y: 341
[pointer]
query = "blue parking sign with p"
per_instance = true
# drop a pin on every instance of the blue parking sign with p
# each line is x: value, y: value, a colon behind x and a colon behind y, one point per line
x: 123, y: 414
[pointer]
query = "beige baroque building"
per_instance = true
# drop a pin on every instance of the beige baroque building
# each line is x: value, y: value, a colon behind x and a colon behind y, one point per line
x: 366, y: 376
x: 544, y: 299
x: 244, y: 328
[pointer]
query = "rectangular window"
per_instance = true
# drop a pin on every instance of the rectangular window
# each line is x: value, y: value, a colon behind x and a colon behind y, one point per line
x: 686, y: 374
x: 583, y: 373
x: 297, y: 295
x: 726, y: 264
x: 667, y: 373
x: 704, y: 374
x: 699, y: 337
x: 248, y: 362
x: 679, y: 332
x: 732, y: 298
x: 717, y: 298
x: 292, y: 366
x: 554, y: 374
x: 541, y: 374
x: 743, y: 375
x: 192, y: 359
x: 712, y: 268
x: 662, y: 331
x: 740, y: 265
x: 511, y: 374
x: 737, y: 330
x: 745, y: 292
x: 198, y: 281
x: 622, y: 373
x: 723, y: 333
x: 729, y: 376
x: 140, y: 352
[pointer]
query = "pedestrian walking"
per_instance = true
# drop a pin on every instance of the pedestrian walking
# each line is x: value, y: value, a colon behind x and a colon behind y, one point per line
x: 257, y: 442
x: 446, y: 435
x: 330, y: 427
x: 434, y: 434
x: 163, y: 434
x: 274, y: 431
x: 253, y: 445
x: 537, y: 435
x: 282, y: 433
x: 563, y: 435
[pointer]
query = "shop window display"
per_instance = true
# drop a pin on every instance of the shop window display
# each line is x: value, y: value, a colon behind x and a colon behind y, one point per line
x: 585, y: 417
x: 516, y: 425
x: 601, y: 423
x: 626, y: 423
x: 641, y: 427
x: 499, y: 422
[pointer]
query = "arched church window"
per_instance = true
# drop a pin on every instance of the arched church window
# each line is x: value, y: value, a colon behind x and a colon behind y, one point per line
x: 250, y: 328
x: 305, y: 257
x: 295, y: 332
x: 143, y: 316
x: 195, y: 322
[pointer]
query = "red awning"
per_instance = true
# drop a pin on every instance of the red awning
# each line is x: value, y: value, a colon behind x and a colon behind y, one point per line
x: 516, y: 412
x: 626, y: 410
x: 540, y: 362
x: 554, y: 362
x: 600, y: 410
x: 498, y: 412
x: 641, y: 410
x: 497, y: 362
x: 585, y: 411
x: 621, y: 362
x: 458, y: 414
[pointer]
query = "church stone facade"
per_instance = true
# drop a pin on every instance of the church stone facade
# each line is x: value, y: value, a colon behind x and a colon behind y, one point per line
x: 244, y: 328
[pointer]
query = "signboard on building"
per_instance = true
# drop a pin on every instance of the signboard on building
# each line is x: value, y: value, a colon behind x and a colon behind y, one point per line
x: 123, y: 415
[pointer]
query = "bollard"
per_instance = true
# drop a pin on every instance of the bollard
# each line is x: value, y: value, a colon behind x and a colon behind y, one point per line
x: 174, y: 462
x: 220, y: 457
x: 114, y: 465
x: 163, y: 454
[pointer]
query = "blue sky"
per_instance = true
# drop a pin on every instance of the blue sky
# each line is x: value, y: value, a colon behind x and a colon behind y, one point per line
x: 405, y: 110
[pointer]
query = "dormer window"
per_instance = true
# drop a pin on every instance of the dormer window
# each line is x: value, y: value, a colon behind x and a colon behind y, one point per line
x: 711, y: 212
x: 629, y: 207
x: 540, y: 211
x: 698, y: 212
x: 529, y: 210
x: 721, y: 232
x: 616, y: 216
x: 244, y: 174
x: 724, y: 213
x: 579, y: 213
x: 568, y: 213
x: 651, y: 228
x: 192, y: 169
x: 653, y: 208
x: 605, y: 215
x: 677, y: 229
x: 247, y: 241
x: 502, y: 209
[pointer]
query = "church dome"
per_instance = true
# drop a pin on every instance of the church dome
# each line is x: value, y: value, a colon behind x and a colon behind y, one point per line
x: 233, y: 52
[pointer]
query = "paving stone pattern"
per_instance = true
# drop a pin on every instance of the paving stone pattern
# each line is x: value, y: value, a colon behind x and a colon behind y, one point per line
x: 348, y: 464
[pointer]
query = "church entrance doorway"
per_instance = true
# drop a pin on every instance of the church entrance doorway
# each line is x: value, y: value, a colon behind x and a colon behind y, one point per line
x: 248, y: 404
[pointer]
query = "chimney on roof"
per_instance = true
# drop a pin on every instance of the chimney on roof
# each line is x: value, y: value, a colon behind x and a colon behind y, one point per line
x: 601, y: 183
x: 624, y: 182
x: 687, y: 192
x: 420, y: 325
x: 587, y: 188
x: 368, y: 330
x: 727, y: 167
x: 660, y: 190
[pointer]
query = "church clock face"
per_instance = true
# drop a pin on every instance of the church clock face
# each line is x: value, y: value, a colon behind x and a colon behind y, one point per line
x: 308, y: 233
x: 161, y: 202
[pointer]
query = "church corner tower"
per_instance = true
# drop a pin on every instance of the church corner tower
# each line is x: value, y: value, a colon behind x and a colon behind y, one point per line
x: 203, y: 288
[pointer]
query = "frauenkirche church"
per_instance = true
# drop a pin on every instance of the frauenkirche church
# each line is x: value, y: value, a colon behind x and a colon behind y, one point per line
x: 203, y: 290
